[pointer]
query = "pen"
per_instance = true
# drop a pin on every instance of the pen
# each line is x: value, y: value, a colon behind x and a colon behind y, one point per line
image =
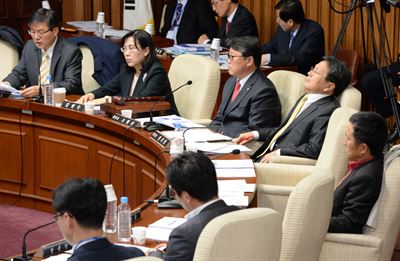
x: 71, y: 30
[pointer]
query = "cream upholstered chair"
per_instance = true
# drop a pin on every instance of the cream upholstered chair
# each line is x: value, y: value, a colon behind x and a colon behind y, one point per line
x: 88, y: 82
x: 290, y: 87
x: 9, y: 58
x: 306, y: 215
x: 247, y: 234
x: 375, y: 244
x: 351, y: 98
x: 196, y: 101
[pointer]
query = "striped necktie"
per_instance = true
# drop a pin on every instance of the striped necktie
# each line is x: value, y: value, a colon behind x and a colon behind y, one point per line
x: 178, y: 13
x: 291, y: 37
x: 44, y: 67
x: 227, y: 25
x: 295, y: 113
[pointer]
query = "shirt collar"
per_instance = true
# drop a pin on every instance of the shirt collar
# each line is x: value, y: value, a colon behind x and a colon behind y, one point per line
x: 313, y: 97
x: 230, y: 18
x: 245, y: 79
x: 50, y: 49
x: 352, y: 165
x: 83, y: 242
x: 197, y: 210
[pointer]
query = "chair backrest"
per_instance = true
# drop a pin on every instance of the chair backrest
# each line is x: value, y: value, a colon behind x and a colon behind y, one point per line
x: 88, y: 82
x: 144, y: 258
x: 333, y: 153
x: 350, y: 97
x: 290, y: 87
x: 350, y: 57
x: 307, y: 217
x: 9, y: 58
x: 197, y: 100
x: 387, y: 226
x: 247, y: 234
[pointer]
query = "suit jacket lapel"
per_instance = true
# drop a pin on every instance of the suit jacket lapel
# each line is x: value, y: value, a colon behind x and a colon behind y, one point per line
x: 243, y: 92
x: 126, y: 82
x: 141, y: 84
x: 56, y: 56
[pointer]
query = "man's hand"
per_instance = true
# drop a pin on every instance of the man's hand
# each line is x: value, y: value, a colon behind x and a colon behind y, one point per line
x: 243, y: 138
x: 85, y: 98
x: 267, y: 157
x: 202, y: 39
x: 30, y: 91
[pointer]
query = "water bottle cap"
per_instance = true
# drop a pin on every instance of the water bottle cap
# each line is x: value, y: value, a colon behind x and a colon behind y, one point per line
x: 124, y: 199
x: 178, y: 125
x: 48, y: 77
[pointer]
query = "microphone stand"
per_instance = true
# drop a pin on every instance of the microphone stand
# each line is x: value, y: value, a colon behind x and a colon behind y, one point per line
x: 24, y: 256
x: 153, y: 126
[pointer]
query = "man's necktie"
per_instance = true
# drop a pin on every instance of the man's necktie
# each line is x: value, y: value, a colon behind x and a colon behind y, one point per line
x: 228, y: 24
x: 178, y: 13
x: 291, y: 37
x: 44, y: 67
x: 235, y: 91
x: 291, y: 119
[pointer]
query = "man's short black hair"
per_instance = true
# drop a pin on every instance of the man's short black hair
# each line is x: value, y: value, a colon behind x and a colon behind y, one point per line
x: 43, y: 15
x: 339, y: 74
x: 84, y: 199
x: 195, y: 174
x: 144, y: 40
x: 370, y: 128
x: 248, y: 46
x: 290, y: 9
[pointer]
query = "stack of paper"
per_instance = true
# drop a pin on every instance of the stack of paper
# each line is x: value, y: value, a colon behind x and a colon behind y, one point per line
x: 234, y: 168
x: 161, y: 229
x: 232, y: 191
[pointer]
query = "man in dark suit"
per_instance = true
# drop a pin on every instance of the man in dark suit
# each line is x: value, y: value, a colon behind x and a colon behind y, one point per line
x: 194, y: 181
x: 249, y: 99
x: 297, y: 41
x: 186, y: 20
x: 236, y: 21
x: 357, y: 192
x: 302, y: 133
x: 63, y: 59
x: 81, y: 205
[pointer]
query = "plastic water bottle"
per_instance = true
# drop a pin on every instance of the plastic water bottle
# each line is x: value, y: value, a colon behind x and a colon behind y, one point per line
x: 177, y: 141
x: 110, y: 219
x: 48, y: 87
x: 100, y: 24
x: 214, y: 49
x: 124, y: 221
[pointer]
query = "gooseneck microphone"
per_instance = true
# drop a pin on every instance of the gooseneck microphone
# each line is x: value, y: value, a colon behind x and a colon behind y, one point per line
x: 24, y: 254
x: 151, y: 125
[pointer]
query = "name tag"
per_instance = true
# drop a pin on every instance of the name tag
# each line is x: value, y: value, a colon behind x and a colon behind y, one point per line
x: 127, y: 121
x: 160, y: 138
x: 73, y: 106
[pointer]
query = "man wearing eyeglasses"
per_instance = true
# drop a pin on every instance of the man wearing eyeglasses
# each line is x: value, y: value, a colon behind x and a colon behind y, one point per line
x: 46, y: 54
x: 303, y: 131
x: 81, y: 205
x: 249, y: 99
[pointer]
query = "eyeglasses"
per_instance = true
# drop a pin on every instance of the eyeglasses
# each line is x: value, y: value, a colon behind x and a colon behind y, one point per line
x: 129, y: 48
x: 314, y: 70
x: 231, y: 56
x: 58, y: 215
x: 40, y: 33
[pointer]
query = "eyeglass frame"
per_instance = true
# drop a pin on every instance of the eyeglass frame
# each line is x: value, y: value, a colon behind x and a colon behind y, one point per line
x: 41, y: 34
x: 230, y: 56
x: 55, y: 217
x: 312, y: 69
x: 130, y: 48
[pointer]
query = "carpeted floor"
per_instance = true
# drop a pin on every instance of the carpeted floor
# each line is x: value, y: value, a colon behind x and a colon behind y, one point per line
x: 15, y: 221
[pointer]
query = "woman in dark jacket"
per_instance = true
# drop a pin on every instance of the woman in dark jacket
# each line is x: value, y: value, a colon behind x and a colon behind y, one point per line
x: 142, y: 76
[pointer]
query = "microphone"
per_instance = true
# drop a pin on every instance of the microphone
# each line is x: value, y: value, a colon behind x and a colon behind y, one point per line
x: 24, y: 254
x: 167, y: 201
x: 151, y: 125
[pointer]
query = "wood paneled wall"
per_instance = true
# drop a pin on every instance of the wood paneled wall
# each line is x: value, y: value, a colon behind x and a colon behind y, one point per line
x: 264, y: 13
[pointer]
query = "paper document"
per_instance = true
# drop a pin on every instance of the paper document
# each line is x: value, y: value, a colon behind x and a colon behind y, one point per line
x: 8, y: 88
x: 218, y: 147
x: 235, y: 173
x: 60, y: 257
x: 240, y: 201
x: 170, y: 121
x: 199, y: 135
x: 223, y: 164
x: 161, y: 229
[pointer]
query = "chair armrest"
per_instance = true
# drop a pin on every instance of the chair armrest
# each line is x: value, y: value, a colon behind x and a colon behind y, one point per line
x: 293, y: 160
x: 354, y: 239
x: 281, y: 174
x: 274, y: 197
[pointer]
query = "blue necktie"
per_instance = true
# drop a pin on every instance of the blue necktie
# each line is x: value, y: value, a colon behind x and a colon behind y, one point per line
x: 291, y: 37
x: 178, y: 13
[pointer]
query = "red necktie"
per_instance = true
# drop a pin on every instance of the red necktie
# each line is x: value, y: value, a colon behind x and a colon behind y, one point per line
x: 227, y: 27
x: 236, y: 91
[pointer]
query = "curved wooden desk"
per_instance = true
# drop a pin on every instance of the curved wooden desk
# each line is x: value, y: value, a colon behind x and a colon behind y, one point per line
x: 49, y: 145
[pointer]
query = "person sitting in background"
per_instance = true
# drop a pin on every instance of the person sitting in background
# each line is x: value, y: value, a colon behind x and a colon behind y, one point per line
x: 249, y: 99
x: 46, y: 54
x: 81, y: 205
x: 236, y: 21
x: 303, y: 131
x: 186, y: 20
x: 142, y: 76
x: 193, y: 179
x: 298, y: 41
x: 357, y: 192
